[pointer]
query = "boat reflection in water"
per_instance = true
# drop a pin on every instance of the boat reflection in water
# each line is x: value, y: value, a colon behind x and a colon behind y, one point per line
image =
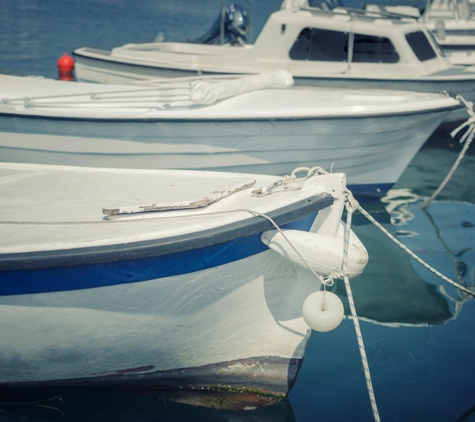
x: 442, y: 234
x: 91, y: 405
x: 395, y: 289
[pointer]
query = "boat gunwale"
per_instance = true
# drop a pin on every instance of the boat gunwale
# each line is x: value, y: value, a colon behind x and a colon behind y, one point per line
x: 245, y: 117
x: 166, y: 246
x: 206, y: 70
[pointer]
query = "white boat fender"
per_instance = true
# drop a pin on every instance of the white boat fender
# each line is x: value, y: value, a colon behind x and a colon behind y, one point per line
x: 323, y: 311
x: 323, y: 254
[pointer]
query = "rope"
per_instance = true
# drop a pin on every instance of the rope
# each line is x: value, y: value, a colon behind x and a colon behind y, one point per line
x: 467, y: 138
x: 322, y: 279
x: 351, y: 205
x: 413, y: 255
x: 288, y: 179
x: 325, y: 280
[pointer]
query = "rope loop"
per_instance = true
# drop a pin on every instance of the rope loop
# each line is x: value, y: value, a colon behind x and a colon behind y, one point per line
x: 292, y: 178
x: 466, y: 139
x: 310, y: 172
x: 470, y: 121
x: 267, y: 190
x: 338, y: 274
x: 351, y: 204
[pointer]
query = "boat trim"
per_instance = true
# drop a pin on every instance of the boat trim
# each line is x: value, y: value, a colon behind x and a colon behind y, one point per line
x: 226, y: 117
x: 81, y: 268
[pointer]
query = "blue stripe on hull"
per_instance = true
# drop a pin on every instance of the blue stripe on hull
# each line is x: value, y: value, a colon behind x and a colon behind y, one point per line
x: 79, y: 277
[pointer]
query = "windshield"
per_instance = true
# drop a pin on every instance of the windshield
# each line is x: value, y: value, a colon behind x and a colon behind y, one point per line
x: 421, y: 46
x: 328, y: 45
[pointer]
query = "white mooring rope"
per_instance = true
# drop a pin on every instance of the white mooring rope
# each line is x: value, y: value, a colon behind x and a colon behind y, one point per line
x: 467, y: 138
x: 413, y: 255
x: 352, y: 205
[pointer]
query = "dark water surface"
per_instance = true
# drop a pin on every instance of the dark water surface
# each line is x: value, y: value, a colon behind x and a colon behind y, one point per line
x: 418, y: 330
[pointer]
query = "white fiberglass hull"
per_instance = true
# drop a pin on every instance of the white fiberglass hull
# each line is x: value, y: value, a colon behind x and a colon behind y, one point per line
x: 119, y: 71
x: 189, y: 295
x: 464, y: 88
x: 372, y: 151
x: 238, y: 324
x: 370, y: 135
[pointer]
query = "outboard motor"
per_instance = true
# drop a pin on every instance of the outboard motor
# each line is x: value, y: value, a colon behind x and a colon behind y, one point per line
x: 236, y: 23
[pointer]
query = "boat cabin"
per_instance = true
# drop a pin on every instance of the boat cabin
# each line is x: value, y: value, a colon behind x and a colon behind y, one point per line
x: 348, y: 41
x: 309, y: 42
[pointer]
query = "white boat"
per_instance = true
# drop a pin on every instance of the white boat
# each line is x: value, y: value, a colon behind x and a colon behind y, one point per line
x: 369, y: 135
x: 452, y: 23
x: 340, y: 48
x: 163, y: 277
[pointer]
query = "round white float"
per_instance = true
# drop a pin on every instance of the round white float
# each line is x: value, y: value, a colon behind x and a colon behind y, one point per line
x: 323, y: 315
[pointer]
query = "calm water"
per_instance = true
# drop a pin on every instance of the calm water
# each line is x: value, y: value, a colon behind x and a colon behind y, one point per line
x: 418, y: 330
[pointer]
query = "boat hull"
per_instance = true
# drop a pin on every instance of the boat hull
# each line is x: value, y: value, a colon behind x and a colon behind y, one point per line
x: 373, y: 151
x: 235, y: 326
x: 110, y: 71
x: 464, y: 88
x: 186, y: 297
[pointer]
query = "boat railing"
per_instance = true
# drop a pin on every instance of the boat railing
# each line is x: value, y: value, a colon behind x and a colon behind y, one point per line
x: 360, y: 13
x: 162, y: 90
x: 162, y: 93
x: 125, y: 96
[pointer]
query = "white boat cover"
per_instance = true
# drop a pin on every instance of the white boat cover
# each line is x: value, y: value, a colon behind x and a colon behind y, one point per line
x: 202, y: 92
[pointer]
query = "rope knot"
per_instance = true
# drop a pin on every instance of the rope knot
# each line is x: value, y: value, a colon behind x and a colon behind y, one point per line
x: 351, y: 204
x: 267, y: 190
x: 329, y: 280
x: 470, y: 122
x: 467, y: 138
x: 288, y: 179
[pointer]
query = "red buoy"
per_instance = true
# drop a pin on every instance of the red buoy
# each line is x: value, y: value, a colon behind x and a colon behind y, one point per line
x: 65, y: 67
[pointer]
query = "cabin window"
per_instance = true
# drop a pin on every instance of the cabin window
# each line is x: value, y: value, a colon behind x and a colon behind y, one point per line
x: 371, y: 49
x: 420, y: 45
x: 435, y: 44
x: 325, y: 45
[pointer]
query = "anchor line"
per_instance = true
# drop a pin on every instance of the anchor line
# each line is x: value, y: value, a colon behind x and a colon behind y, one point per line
x: 351, y: 205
